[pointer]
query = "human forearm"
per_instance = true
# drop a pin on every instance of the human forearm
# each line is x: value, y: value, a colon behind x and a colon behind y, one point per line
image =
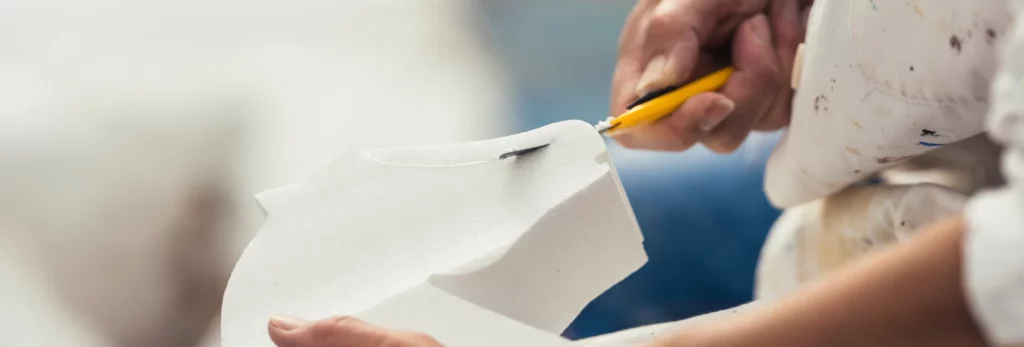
x: 909, y: 295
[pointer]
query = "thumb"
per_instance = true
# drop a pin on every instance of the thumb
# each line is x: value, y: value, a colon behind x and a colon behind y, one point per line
x: 342, y: 332
x: 331, y: 332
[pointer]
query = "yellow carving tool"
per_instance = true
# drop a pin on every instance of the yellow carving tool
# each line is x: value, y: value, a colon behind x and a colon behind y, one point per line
x: 658, y: 104
x: 650, y: 107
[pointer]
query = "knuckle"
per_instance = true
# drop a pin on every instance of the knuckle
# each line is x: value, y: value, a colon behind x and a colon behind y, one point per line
x: 767, y: 73
x: 681, y: 141
x: 665, y: 17
x: 321, y: 332
x: 333, y: 328
x: 657, y: 21
x: 725, y: 142
x: 344, y: 322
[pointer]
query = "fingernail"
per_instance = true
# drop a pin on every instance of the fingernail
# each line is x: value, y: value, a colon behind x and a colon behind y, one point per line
x: 651, y: 75
x: 286, y: 323
x: 716, y: 113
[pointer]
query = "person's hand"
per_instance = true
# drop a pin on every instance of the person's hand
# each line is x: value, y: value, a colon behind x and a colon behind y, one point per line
x: 671, y: 42
x: 342, y: 332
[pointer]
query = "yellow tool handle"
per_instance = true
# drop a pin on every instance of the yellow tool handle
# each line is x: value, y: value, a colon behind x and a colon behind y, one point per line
x: 663, y: 105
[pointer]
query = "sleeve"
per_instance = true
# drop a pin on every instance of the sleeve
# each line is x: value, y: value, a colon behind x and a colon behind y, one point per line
x: 994, y: 248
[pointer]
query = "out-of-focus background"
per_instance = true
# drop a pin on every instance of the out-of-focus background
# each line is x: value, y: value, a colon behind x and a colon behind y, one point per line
x: 133, y: 134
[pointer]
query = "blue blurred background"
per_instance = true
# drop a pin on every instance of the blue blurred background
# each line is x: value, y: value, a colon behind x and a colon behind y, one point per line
x: 704, y: 216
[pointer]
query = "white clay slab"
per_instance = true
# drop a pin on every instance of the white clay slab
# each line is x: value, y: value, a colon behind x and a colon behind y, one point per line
x: 448, y: 240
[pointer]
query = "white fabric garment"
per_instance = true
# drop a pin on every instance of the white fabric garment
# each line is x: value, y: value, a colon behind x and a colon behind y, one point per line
x: 877, y: 75
x: 912, y: 117
x: 881, y: 82
x: 813, y: 240
x: 994, y: 263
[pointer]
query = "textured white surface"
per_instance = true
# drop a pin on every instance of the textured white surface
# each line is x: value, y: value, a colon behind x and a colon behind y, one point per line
x: 883, y: 81
x: 526, y: 241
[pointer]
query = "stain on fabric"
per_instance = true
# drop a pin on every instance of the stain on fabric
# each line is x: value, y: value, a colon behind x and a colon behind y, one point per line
x: 874, y: 6
x: 867, y: 95
x: 917, y: 9
x: 853, y: 151
x: 929, y: 132
x: 820, y: 103
x: 911, y: 68
x: 857, y: 124
x: 931, y: 144
x: 956, y: 44
x: 990, y: 36
x: 893, y: 159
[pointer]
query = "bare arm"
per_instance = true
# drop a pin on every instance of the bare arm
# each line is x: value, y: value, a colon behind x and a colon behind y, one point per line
x: 908, y: 295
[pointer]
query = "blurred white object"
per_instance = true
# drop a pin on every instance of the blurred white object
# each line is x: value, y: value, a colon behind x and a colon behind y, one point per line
x: 862, y: 107
x: 35, y: 302
x: 136, y: 132
x: 993, y: 265
x: 119, y: 200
